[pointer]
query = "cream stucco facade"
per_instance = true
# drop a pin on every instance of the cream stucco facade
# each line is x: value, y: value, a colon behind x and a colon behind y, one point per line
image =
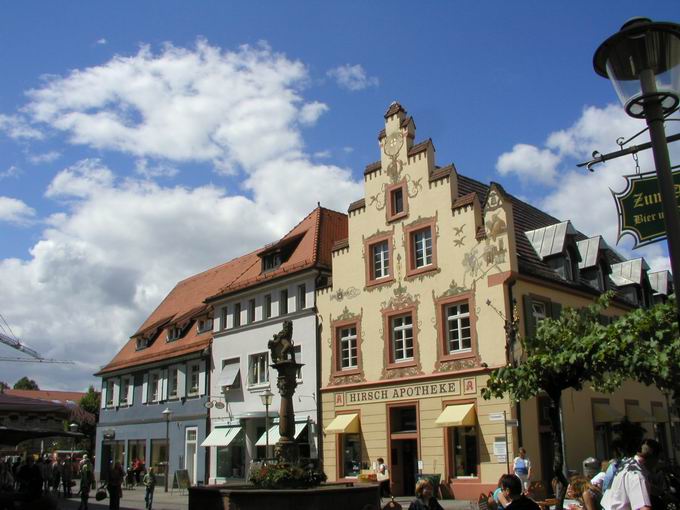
x: 415, y: 320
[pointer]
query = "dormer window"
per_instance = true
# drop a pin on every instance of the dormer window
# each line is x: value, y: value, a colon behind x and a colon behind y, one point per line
x: 204, y: 325
x: 142, y: 343
x: 271, y: 261
x: 601, y: 277
x: 565, y: 265
x: 174, y: 333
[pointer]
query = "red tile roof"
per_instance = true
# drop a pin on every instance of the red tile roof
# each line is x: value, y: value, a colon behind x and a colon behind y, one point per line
x: 49, y: 395
x: 314, y: 236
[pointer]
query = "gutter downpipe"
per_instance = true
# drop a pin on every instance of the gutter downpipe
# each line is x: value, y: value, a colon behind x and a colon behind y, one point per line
x: 511, y: 356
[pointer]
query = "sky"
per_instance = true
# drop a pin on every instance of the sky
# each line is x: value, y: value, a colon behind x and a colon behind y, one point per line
x: 143, y: 142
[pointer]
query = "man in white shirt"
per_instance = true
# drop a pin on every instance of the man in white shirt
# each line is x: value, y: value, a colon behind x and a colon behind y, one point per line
x: 630, y: 488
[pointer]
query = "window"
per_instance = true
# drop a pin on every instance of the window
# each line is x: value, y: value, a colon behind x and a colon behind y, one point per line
x: 297, y: 350
x: 271, y: 261
x: 142, y: 343
x: 125, y: 390
x: 231, y: 459
x: 402, y: 338
x: 459, y: 337
x: 283, y: 302
x: 159, y: 454
x: 347, y: 343
x: 380, y: 256
x: 194, y: 378
x: 172, y: 382
x: 258, y: 369
x: 601, y: 277
x: 464, y: 443
x: 350, y: 455
x: 267, y: 313
x: 421, y: 242
x: 174, y: 333
x: 204, y: 325
x: 109, y: 393
x: 397, y: 201
x: 223, y: 318
x: 154, y: 387
x: 251, y: 311
x: 237, y: 315
x: 301, y: 297
x: 237, y: 380
x: 538, y: 312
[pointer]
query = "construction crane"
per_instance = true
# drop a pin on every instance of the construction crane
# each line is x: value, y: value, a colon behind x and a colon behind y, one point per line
x: 8, y: 337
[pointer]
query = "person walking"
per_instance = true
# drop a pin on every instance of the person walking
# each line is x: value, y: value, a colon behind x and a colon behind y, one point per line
x: 150, y: 484
x: 425, y: 499
x: 30, y: 478
x: 86, y: 482
x: 521, y: 467
x: 115, y: 486
x: 631, y: 489
x: 66, y: 476
x: 56, y: 476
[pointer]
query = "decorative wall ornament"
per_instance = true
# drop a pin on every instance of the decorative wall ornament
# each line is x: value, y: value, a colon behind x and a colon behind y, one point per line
x: 493, y: 201
x: 379, y: 199
x: 494, y: 253
x: 339, y: 380
x: 392, y: 146
x: 453, y: 290
x: 346, y: 315
x: 457, y: 364
x: 459, y: 238
x: 348, y: 293
x: 397, y: 373
x: 413, y: 187
x: 495, y: 227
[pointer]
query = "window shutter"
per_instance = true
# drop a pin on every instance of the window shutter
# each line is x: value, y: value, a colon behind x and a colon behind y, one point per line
x: 103, y: 397
x: 529, y: 326
x: 555, y: 310
x: 145, y: 389
x: 201, y: 378
x: 116, y: 392
x: 181, y: 381
x: 131, y: 390
x: 164, y: 385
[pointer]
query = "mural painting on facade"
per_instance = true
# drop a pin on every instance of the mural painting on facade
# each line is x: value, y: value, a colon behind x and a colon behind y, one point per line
x: 479, y: 261
x: 339, y: 379
x: 459, y: 238
x: 413, y: 187
x: 348, y: 293
x: 392, y: 146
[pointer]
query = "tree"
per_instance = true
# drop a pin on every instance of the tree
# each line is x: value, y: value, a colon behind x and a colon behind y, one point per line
x: 3, y: 386
x: 577, y: 349
x: 26, y: 384
x: 91, y: 402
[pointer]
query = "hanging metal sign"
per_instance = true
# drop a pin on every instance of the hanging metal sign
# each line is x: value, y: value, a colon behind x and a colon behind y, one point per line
x: 639, y: 208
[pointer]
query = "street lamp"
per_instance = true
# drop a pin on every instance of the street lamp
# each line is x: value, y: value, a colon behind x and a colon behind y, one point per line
x: 266, y: 397
x: 166, y: 414
x: 643, y: 62
x: 73, y: 427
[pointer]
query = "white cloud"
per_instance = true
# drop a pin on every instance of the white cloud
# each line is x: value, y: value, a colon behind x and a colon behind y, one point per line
x: 15, y: 211
x: 116, y: 246
x: 17, y: 127
x: 150, y: 171
x: 102, y: 41
x: 12, y: 171
x: 352, y: 77
x: 47, y: 157
x: 311, y: 112
x: 322, y: 154
x: 586, y: 197
x: 529, y: 163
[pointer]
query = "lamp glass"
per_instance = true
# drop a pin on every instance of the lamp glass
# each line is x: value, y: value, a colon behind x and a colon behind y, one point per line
x: 651, y: 52
x: 267, y: 397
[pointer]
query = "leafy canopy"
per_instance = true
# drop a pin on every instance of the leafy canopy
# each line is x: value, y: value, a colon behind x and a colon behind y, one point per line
x: 26, y: 384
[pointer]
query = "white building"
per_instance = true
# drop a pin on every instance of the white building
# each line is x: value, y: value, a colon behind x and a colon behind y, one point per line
x: 270, y: 286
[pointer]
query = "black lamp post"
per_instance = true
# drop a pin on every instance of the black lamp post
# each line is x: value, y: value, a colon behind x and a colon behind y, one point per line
x: 166, y: 413
x: 266, y: 397
x: 643, y: 62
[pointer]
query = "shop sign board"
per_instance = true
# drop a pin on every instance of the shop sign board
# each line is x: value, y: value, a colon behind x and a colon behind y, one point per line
x: 639, y: 208
x: 423, y: 390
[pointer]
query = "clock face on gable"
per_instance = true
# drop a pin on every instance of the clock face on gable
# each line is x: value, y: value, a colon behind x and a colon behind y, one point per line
x: 393, y: 143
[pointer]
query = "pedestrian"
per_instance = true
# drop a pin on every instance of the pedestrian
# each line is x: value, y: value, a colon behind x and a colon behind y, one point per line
x: 630, y: 489
x: 115, y: 486
x: 150, y: 484
x: 86, y: 482
x: 586, y: 493
x: 67, y: 476
x: 512, y: 490
x: 383, y: 477
x: 521, y: 467
x: 30, y: 478
x: 56, y: 476
x: 499, y: 498
x: 425, y: 499
x: 46, y: 472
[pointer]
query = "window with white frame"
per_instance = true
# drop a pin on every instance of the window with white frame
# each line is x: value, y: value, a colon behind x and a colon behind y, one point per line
x: 380, y: 256
x: 174, y: 333
x: 223, y: 317
x: 251, y: 311
x: 237, y: 315
x: 109, y: 393
x: 301, y: 297
x: 173, y: 377
x: 194, y: 374
x: 422, y: 247
x: 459, y: 337
x: 204, y: 325
x: 125, y: 389
x: 402, y: 338
x: 155, y: 386
x: 267, y: 311
x: 258, y: 369
x: 538, y: 312
x: 297, y: 350
x: 283, y: 302
x: 348, y: 347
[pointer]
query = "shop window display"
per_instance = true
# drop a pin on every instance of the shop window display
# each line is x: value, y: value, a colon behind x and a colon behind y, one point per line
x: 351, y: 455
x: 231, y: 459
x: 464, y: 442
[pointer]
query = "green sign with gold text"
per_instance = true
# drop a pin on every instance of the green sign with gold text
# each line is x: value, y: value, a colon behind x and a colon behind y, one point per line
x: 640, y: 210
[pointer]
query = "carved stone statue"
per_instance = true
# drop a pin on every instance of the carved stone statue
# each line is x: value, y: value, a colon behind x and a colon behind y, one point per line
x: 281, y: 345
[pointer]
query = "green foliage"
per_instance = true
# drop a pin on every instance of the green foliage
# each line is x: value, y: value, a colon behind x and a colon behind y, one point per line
x: 4, y: 385
x: 285, y: 476
x: 91, y: 402
x: 26, y: 384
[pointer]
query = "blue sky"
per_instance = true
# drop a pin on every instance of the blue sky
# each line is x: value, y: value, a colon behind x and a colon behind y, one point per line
x: 141, y: 141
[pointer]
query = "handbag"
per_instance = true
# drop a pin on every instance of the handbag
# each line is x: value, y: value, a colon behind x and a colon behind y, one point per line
x: 100, y: 495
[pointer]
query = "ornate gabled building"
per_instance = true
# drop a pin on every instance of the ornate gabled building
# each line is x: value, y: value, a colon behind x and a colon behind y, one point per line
x: 433, y: 265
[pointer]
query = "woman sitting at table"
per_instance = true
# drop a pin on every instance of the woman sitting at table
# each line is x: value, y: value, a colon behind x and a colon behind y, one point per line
x: 587, y: 494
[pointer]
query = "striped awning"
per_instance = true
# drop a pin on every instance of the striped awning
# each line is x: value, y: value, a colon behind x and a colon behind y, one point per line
x: 274, y: 435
